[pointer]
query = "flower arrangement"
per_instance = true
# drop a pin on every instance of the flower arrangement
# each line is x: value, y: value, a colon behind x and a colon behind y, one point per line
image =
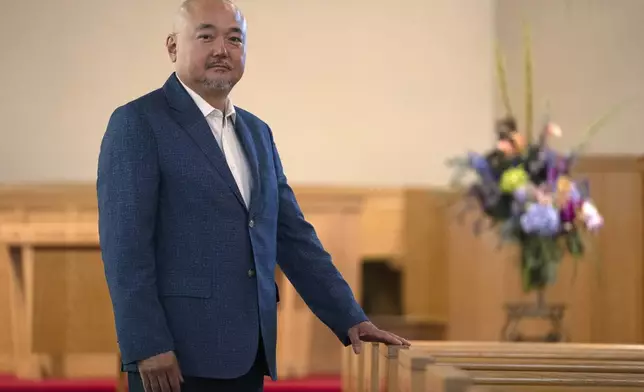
x: 525, y: 188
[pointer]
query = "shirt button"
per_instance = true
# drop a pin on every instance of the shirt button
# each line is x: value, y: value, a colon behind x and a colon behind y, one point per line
x: 251, y: 273
x: 251, y: 223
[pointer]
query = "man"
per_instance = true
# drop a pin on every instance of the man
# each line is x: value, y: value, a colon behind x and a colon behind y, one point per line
x: 194, y: 213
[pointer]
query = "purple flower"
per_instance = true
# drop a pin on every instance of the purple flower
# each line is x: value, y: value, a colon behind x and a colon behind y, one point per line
x: 541, y: 219
x: 521, y: 194
x: 481, y: 166
x: 568, y: 212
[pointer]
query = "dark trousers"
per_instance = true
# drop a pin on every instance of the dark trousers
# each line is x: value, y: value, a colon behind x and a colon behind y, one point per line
x: 253, y: 381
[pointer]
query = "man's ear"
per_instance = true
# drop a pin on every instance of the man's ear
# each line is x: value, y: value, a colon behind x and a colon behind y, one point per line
x: 171, y: 46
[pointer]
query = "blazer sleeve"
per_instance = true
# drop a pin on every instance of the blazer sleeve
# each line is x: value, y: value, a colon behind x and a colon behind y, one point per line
x: 127, y: 191
x: 309, y: 267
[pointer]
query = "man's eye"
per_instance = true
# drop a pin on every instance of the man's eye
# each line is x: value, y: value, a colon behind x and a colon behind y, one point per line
x: 236, y: 40
x: 205, y: 36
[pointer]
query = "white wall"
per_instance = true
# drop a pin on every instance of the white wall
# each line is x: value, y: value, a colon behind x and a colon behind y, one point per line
x: 356, y: 91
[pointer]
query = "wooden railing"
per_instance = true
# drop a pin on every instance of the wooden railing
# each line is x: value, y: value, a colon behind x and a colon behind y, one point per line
x: 491, y: 366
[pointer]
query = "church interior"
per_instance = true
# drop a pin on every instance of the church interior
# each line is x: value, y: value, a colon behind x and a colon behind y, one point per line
x: 368, y: 100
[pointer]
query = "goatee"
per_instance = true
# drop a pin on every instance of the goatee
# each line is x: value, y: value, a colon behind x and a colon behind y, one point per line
x: 217, y: 84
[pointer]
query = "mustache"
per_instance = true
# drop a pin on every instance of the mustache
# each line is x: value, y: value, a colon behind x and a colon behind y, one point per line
x: 219, y: 63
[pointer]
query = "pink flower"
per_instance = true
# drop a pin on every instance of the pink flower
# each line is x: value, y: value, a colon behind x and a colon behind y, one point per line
x: 591, y: 216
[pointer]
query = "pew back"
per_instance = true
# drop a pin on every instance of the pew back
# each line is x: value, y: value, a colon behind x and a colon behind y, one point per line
x: 446, y: 378
x: 525, y: 364
x: 412, y: 366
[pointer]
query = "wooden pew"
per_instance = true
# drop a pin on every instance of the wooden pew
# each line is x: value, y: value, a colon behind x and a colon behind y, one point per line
x: 447, y: 378
x: 353, y: 370
x: 380, y: 372
x: 373, y: 370
x: 560, y: 367
x: 443, y: 378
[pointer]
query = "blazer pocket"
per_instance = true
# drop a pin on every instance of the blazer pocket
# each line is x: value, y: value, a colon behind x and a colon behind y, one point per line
x: 191, y: 287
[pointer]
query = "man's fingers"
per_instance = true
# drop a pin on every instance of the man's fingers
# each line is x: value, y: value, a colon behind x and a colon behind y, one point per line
x: 146, y: 382
x: 390, y: 338
x: 381, y: 336
x: 164, y: 383
x: 354, y: 337
x: 175, y: 379
x: 154, y: 383
x: 175, y: 384
x: 404, y: 341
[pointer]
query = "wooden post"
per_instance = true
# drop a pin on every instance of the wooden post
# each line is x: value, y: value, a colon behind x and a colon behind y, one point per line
x: 388, y: 367
x: 411, y: 370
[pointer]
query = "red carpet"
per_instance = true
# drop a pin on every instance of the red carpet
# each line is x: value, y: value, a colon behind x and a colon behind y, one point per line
x: 11, y: 384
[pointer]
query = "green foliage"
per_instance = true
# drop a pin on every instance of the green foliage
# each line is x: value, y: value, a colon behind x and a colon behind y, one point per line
x: 541, y: 257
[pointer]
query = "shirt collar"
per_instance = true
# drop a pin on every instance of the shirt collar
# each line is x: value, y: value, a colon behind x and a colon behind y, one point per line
x: 206, y: 108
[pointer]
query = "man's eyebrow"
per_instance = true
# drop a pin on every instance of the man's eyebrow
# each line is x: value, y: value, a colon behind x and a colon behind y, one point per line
x: 205, y: 26
x: 209, y: 26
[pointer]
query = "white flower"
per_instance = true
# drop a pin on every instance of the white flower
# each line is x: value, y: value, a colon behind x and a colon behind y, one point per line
x: 591, y: 217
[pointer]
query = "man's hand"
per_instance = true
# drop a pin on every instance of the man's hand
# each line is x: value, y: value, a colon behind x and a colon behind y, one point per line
x: 368, y: 332
x: 161, y: 373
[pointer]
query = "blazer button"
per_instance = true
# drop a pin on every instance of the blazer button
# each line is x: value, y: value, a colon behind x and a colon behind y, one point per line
x: 251, y: 273
x: 251, y: 223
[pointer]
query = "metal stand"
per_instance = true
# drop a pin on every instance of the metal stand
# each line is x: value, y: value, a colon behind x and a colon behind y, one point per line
x: 538, y: 310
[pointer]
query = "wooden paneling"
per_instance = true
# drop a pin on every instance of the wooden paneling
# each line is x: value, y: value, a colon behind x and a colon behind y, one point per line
x: 72, y: 313
x: 305, y: 345
x: 58, y: 297
x: 449, y: 274
x: 6, y: 343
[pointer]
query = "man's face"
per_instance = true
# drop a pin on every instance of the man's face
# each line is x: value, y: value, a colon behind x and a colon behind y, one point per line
x: 208, y: 46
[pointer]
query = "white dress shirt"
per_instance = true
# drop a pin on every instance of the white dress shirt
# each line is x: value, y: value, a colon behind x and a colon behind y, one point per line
x: 223, y: 127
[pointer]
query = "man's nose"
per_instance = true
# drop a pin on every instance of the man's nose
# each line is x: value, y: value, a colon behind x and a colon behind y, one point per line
x: 219, y: 46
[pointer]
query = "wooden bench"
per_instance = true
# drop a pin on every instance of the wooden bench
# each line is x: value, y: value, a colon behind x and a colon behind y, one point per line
x: 419, y: 370
x: 380, y: 365
x: 375, y: 369
x: 447, y: 378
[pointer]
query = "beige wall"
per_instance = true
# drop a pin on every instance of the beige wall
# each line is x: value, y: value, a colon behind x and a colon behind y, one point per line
x: 589, y: 56
x: 357, y: 92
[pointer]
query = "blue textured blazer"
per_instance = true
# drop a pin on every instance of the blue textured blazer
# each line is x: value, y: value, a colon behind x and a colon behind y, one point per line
x: 189, y: 267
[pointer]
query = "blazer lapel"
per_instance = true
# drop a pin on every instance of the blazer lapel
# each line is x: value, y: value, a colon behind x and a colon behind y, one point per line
x: 245, y: 136
x: 193, y: 122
